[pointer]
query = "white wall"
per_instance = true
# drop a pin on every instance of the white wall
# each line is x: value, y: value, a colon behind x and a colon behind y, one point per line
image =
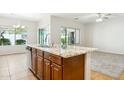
x: 44, y: 21
x: 107, y: 36
x: 32, y: 34
x: 57, y: 22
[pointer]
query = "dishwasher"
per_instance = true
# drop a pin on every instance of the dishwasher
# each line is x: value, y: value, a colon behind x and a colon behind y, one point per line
x: 29, y: 57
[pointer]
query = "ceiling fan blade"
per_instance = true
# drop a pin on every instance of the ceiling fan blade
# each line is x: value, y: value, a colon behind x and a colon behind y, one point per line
x: 88, y: 16
x: 108, y: 14
x: 106, y: 17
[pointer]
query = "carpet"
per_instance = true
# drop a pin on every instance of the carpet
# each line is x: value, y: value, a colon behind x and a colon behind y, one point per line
x: 108, y: 64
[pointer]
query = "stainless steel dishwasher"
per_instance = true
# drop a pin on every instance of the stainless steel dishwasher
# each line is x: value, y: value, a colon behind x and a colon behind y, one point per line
x: 29, y: 56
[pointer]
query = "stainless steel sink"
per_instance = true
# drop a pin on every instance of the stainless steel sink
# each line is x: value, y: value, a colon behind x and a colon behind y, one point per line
x: 45, y: 46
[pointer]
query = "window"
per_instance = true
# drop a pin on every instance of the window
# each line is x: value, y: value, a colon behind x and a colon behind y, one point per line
x: 70, y: 36
x: 20, y: 36
x: 12, y: 36
x: 44, y: 36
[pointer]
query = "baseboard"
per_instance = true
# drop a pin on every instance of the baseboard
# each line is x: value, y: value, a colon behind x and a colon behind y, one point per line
x: 111, y: 52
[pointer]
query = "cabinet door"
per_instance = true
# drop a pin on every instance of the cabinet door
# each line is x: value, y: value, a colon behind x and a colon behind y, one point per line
x: 33, y: 65
x: 56, y: 72
x: 40, y: 67
x: 47, y: 69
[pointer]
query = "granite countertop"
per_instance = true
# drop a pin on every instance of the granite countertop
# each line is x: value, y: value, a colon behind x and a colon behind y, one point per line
x: 68, y: 52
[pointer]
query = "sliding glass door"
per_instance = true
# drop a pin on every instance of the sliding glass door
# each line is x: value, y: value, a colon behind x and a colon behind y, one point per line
x: 44, y: 36
x: 12, y: 36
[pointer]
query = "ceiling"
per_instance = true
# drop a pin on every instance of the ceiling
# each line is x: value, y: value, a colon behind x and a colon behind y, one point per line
x: 87, y: 17
x: 81, y: 17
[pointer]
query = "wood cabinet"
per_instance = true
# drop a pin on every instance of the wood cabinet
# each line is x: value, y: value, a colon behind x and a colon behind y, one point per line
x: 47, y: 69
x: 34, y: 59
x: 39, y: 67
x: 52, y: 71
x: 52, y: 67
x: 48, y: 66
x: 74, y: 67
x: 56, y: 72
x: 37, y: 63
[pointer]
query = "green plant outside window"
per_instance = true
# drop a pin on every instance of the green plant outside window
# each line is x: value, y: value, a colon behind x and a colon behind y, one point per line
x: 12, y: 36
x: 5, y: 41
x: 20, y: 42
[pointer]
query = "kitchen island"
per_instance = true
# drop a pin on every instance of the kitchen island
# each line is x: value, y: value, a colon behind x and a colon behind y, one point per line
x: 55, y: 63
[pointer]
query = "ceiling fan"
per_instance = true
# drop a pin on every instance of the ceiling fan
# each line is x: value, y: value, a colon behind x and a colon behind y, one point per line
x: 102, y: 16
x: 98, y: 17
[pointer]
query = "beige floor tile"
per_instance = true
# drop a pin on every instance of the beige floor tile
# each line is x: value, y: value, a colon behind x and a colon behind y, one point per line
x: 29, y: 78
x: 122, y: 76
x: 3, y: 66
x: 3, y: 63
x: 2, y: 59
x: 15, y: 67
x: 23, y: 76
x: 26, y: 78
x: 4, y: 78
x: 99, y: 76
x: 16, y: 70
x: 4, y: 72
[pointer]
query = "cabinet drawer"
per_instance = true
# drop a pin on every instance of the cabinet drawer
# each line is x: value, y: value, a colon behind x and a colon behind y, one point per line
x: 40, y: 53
x: 54, y: 58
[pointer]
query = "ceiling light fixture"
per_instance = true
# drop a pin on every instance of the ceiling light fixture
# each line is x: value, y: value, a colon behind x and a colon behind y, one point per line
x: 99, y: 20
x: 18, y: 26
x: 102, y: 16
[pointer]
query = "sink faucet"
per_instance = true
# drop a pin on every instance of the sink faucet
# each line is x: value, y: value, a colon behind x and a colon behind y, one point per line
x: 46, y: 38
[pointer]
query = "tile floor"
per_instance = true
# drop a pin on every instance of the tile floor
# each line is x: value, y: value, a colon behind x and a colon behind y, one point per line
x: 13, y: 67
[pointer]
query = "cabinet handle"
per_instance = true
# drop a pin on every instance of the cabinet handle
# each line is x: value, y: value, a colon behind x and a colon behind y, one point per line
x: 51, y: 65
